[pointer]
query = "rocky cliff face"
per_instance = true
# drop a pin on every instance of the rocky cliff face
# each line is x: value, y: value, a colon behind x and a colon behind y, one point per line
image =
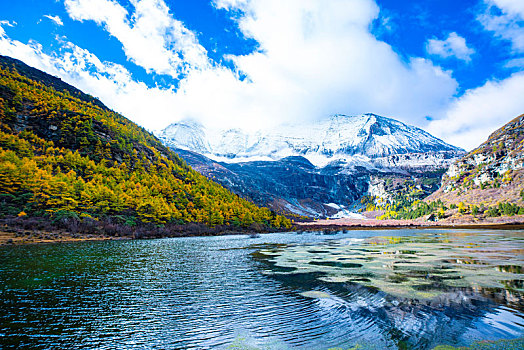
x: 494, y: 171
x: 316, y: 170
x: 291, y: 184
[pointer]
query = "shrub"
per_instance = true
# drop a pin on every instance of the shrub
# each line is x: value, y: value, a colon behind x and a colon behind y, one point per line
x: 493, y: 211
x: 64, y: 216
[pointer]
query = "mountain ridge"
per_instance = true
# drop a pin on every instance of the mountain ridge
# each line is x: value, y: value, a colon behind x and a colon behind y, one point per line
x: 338, y: 138
x: 492, y: 171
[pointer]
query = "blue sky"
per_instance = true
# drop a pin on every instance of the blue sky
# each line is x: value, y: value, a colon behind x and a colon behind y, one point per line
x: 454, y: 68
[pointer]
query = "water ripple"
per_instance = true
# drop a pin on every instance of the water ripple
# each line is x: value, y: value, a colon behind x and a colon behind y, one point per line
x: 207, y: 293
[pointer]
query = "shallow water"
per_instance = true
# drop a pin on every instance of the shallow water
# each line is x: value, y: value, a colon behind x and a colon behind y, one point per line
x: 400, y: 289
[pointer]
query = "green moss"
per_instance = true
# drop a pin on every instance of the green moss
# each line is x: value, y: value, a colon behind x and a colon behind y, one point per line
x: 504, y: 344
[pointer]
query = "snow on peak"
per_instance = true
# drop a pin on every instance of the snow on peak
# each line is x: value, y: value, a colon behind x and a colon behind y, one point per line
x: 337, y: 138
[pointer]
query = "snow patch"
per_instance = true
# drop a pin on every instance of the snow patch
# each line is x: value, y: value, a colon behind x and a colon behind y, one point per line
x: 346, y: 214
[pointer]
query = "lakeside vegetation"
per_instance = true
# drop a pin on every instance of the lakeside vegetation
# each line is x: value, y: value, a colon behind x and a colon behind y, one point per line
x: 413, y: 206
x: 64, y: 155
x: 486, y: 182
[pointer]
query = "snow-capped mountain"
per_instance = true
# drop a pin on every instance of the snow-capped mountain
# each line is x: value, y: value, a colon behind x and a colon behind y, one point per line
x: 355, y: 140
x: 315, y: 169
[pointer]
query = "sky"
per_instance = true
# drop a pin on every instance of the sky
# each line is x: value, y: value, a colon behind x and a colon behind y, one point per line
x: 453, y: 68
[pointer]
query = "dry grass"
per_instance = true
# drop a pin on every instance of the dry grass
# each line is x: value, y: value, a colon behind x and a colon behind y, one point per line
x: 454, y: 219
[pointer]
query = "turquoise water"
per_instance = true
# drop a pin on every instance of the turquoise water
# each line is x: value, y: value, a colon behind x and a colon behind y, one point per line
x: 399, y: 289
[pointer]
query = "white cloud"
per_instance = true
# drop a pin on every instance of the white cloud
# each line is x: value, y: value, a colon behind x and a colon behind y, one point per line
x: 230, y: 4
x: 515, y: 63
x: 509, y: 24
x: 56, y: 19
x: 110, y: 82
x: 150, y: 36
x: 453, y: 46
x: 8, y: 23
x: 480, y: 111
x: 511, y: 7
x: 315, y: 58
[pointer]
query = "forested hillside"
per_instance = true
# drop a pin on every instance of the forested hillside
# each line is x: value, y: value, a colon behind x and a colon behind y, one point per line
x: 63, y: 152
x: 486, y: 182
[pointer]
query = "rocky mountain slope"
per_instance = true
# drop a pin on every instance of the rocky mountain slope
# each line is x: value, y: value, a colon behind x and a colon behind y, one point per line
x: 490, y: 174
x: 64, y: 154
x: 291, y: 184
x: 319, y: 169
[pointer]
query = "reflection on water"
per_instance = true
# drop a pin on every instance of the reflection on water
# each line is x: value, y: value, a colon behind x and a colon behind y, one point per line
x: 416, y: 267
x: 407, y: 289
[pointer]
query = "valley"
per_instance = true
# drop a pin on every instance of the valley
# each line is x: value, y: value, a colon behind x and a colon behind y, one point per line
x: 318, y: 170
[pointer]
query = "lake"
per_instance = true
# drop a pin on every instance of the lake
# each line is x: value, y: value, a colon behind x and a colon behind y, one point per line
x: 387, y: 289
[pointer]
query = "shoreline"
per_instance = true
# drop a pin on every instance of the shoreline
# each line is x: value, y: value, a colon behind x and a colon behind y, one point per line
x: 458, y: 222
x: 38, y: 237
x: 354, y: 227
x: 17, y: 237
x: 12, y: 239
x: 39, y: 230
